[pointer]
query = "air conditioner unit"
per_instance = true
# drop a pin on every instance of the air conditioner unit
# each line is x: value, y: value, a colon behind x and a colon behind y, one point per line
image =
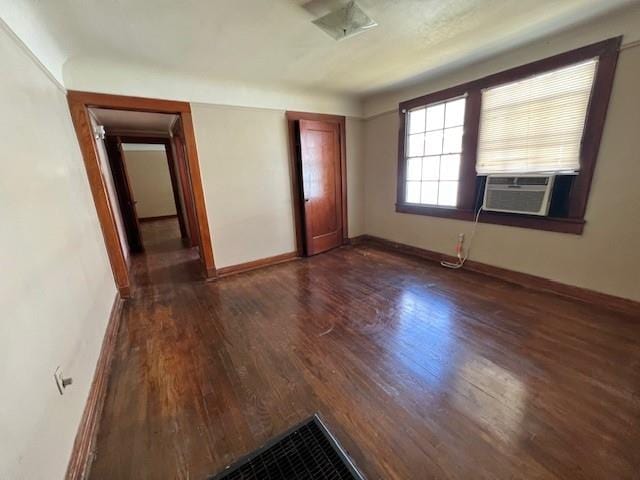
x: 529, y: 194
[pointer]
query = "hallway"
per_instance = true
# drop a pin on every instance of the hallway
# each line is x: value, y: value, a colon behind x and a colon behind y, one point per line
x: 165, y: 260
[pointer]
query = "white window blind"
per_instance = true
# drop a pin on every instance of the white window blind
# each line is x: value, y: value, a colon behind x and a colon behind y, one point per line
x: 535, y: 124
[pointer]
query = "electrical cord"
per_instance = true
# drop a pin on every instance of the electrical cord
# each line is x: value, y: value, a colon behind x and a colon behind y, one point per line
x: 459, y: 249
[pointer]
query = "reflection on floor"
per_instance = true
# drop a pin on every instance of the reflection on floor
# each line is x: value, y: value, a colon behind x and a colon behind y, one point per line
x: 420, y: 372
x: 165, y: 259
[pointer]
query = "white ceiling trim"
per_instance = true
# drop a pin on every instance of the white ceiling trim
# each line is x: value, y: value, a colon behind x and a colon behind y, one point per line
x: 25, y: 48
x: 24, y: 22
x: 95, y: 75
x: 292, y: 68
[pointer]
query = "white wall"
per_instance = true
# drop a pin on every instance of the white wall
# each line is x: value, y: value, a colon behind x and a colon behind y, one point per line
x: 57, y: 288
x: 355, y: 175
x: 605, y: 257
x: 244, y: 159
x: 150, y: 179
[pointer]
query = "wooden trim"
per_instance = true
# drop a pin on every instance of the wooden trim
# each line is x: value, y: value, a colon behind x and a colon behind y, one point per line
x: 175, y: 189
x: 596, y: 116
x: 602, y: 48
x: 123, y: 102
x: 205, y: 243
x: 124, y: 191
x: 296, y: 184
x: 294, y: 151
x: 150, y: 137
x: 467, y: 196
x: 179, y: 154
x: 402, y: 162
x: 159, y: 217
x: 550, y: 224
x: 143, y: 138
x: 84, y: 444
x: 318, y: 117
x: 619, y: 304
x: 255, y: 264
x: 104, y: 209
x: 607, y: 53
x: 343, y: 177
x: 79, y: 104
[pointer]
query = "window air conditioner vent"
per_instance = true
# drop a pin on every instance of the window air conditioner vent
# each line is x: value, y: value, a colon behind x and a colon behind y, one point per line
x: 525, y: 194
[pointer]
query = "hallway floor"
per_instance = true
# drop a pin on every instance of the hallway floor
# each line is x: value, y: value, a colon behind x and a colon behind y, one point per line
x: 165, y: 260
x: 420, y: 372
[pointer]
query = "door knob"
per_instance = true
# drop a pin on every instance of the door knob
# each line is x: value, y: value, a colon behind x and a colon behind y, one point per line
x: 306, y: 199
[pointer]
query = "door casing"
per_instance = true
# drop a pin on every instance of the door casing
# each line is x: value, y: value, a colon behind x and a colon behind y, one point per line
x: 293, y: 119
x: 79, y: 104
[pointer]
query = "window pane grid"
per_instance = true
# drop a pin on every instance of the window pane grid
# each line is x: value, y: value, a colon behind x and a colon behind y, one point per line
x: 434, y: 149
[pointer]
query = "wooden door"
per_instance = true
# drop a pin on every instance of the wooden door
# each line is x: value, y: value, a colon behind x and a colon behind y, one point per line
x: 184, y: 179
x: 178, y: 197
x: 321, y: 185
x: 126, y: 200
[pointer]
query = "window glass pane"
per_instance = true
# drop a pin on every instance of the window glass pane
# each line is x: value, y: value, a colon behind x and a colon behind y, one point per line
x: 430, y: 193
x: 430, y: 168
x: 414, y: 167
x: 448, y: 194
x: 450, y: 167
x: 435, y: 117
x: 434, y: 143
x: 416, y: 145
x: 413, y: 192
x: 455, y: 113
x: 416, y: 121
x: 434, y: 151
x: 452, y: 140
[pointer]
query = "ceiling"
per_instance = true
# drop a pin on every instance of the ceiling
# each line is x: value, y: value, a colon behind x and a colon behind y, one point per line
x: 134, y: 121
x: 273, y: 42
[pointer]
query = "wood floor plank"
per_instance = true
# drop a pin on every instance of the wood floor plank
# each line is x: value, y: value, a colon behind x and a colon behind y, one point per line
x: 421, y: 372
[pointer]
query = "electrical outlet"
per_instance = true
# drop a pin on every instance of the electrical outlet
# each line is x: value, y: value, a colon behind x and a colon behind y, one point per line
x: 61, y: 382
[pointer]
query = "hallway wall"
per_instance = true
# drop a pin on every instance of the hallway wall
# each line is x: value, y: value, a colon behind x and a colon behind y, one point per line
x: 150, y: 180
x: 57, y: 289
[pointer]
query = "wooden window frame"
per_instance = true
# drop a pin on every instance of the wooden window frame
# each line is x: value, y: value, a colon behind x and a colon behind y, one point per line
x: 607, y: 53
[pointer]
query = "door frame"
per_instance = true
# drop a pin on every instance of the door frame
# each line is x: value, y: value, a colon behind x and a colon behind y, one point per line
x: 125, y: 197
x: 79, y: 104
x: 179, y: 153
x: 293, y: 119
x: 133, y: 137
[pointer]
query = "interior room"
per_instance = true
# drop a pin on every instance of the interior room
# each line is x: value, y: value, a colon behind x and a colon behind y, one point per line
x: 320, y: 239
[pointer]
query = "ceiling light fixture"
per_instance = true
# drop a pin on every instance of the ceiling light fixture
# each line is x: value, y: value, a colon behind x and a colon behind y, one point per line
x: 345, y: 22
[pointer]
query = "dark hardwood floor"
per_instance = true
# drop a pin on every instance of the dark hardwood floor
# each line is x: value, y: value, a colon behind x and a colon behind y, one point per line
x: 420, y: 372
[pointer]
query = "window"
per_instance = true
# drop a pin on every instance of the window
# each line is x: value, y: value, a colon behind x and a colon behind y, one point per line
x: 546, y: 116
x: 536, y: 124
x: 434, y: 147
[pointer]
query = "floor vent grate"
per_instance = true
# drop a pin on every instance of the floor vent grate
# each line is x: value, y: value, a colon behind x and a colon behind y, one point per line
x: 307, y: 451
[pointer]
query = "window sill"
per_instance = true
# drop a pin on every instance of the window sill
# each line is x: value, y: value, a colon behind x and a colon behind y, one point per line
x: 551, y: 224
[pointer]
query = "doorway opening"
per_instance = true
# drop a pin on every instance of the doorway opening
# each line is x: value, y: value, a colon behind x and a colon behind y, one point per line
x: 317, y: 145
x: 143, y: 170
